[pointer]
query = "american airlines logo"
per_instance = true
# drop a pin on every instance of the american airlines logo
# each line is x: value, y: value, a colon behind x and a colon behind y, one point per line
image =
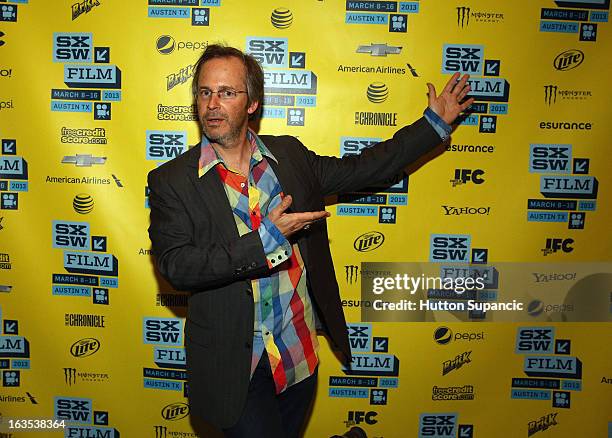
x: 379, y: 49
x: 86, y: 160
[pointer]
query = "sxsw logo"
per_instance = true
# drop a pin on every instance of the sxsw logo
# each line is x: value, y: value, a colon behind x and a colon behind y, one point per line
x: 550, y: 158
x: 354, y: 145
x: 463, y: 58
x: 360, y: 337
x: 463, y: 176
x: 72, y: 47
x: 359, y: 417
x: 71, y: 235
x: 165, y: 145
x: 450, y: 248
x: 166, y: 331
x: 555, y: 244
x: 269, y: 52
x: 439, y: 425
x: 535, y: 340
x: 78, y: 410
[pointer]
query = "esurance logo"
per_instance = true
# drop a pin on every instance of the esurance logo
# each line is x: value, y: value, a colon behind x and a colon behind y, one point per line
x: 165, y: 145
x: 85, y: 347
x: 450, y: 248
x: 369, y: 241
x: 163, y: 331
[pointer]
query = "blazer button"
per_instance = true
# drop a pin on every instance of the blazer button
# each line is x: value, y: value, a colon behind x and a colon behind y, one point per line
x: 253, y: 264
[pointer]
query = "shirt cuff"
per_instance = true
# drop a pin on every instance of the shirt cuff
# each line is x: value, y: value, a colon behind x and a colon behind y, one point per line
x: 276, y: 247
x: 440, y: 126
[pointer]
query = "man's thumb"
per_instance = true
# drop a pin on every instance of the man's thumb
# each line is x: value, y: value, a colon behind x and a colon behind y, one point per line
x: 285, y: 203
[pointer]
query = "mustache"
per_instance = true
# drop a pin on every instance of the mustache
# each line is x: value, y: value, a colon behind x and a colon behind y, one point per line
x: 214, y: 115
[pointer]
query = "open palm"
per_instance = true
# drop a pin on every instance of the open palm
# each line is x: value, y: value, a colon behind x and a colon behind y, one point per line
x: 449, y: 104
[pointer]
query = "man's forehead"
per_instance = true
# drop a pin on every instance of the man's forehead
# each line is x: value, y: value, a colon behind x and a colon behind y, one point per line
x: 226, y: 69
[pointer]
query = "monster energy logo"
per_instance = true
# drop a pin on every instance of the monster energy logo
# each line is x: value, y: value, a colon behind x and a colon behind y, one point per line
x: 550, y: 94
x: 160, y: 431
x: 70, y: 376
x: 463, y: 16
x: 351, y: 272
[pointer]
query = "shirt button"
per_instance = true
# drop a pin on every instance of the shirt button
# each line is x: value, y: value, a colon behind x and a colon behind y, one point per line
x: 242, y: 184
x: 267, y: 333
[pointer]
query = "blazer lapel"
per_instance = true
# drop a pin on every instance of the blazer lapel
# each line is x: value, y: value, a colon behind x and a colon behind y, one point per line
x: 213, y: 195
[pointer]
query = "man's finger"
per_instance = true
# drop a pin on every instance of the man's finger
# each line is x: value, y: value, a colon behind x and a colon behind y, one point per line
x: 461, y: 84
x: 431, y: 92
x: 307, y: 216
x: 284, y: 205
x: 451, y: 83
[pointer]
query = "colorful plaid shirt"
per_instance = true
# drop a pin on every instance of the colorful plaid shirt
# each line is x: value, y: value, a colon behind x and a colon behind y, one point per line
x: 284, y: 318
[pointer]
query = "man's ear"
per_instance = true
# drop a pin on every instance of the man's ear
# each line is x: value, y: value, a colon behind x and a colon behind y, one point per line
x: 252, y: 107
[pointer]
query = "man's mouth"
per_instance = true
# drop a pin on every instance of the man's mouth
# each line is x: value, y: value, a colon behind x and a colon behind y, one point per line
x: 214, y: 120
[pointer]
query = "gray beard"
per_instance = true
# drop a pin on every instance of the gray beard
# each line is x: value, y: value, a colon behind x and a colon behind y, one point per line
x: 232, y: 136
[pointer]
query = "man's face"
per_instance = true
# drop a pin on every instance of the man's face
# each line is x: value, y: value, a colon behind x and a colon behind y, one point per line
x: 223, y: 121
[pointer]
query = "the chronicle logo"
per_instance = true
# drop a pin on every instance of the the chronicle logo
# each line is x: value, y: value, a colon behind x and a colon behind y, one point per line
x: 568, y: 60
x: 281, y: 18
x: 85, y: 347
x: 175, y: 411
x: 369, y: 241
x: 377, y: 92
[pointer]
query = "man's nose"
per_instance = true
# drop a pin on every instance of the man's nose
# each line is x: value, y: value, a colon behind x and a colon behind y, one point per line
x: 213, y: 101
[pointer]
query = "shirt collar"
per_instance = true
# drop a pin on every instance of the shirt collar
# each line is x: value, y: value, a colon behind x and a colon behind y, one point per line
x: 209, y: 157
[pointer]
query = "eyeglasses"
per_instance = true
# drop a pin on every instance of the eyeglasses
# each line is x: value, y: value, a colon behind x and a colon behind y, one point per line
x: 222, y: 93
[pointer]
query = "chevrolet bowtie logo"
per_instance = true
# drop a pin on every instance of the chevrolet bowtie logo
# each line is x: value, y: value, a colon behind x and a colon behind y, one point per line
x: 379, y: 49
x: 83, y: 160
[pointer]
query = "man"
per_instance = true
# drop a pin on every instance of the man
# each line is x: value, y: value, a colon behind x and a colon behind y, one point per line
x: 239, y: 221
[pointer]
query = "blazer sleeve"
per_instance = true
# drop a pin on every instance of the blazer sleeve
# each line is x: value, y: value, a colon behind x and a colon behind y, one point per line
x: 186, y: 264
x: 376, y: 164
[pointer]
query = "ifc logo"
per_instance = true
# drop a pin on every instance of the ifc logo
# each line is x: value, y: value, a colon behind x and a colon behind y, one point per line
x: 281, y: 18
x: 377, y: 92
x: 83, y: 203
x: 165, y: 44
x: 443, y: 335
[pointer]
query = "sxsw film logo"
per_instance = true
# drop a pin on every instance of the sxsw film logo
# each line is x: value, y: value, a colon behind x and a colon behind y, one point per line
x: 166, y: 331
x: 269, y: 52
x: 550, y: 158
x: 165, y: 145
x: 81, y: 419
x: 577, y: 20
x: 355, y: 418
x: 555, y: 244
x: 93, y: 83
x: 463, y: 176
x: 13, y: 175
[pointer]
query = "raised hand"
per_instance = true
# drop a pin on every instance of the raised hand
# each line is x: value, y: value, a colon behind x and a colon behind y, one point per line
x: 448, y: 105
x: 289, y: 223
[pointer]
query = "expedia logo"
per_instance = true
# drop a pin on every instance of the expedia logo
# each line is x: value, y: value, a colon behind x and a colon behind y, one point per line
x: 281, y: 18
x: 175, y: 411
x: 568, y: 60
x: 463, y: 16
x: 83, y: 203
x: 85, y: 347
x: 369, y: 241
x: 165, y: 44
x: 377, y: 92
x: 550, y: 94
